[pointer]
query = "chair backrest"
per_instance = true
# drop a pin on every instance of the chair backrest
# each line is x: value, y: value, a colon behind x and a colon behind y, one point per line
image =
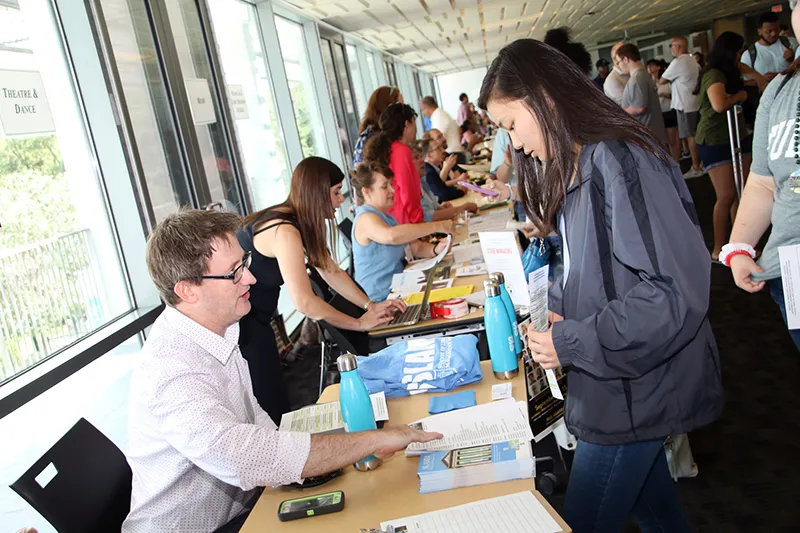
x: 346, y: 227
x: 91, y: 489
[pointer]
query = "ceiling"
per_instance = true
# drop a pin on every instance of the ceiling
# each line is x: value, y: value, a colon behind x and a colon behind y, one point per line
x: 449, y: 35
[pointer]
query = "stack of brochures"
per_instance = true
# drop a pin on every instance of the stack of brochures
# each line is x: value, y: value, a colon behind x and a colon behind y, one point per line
x: 475, y: 465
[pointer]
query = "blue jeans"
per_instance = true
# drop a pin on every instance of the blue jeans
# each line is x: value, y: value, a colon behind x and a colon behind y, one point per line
x: 776, y: 291
x: 608, y: 484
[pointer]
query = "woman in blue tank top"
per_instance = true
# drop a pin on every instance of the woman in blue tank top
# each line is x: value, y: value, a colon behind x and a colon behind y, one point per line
x: 378, y: 241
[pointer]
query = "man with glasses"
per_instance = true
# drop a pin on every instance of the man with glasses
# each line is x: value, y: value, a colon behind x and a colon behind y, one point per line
x: 438, y: 167
x: 200, y: 445
x: 682, y: 73
x: 615, y: 83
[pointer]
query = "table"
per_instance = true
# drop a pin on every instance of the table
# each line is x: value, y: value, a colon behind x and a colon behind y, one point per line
x: 462, y: 233
x: 391, y: 491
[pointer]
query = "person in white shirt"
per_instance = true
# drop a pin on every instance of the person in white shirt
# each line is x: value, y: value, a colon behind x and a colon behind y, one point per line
x: 615, y: 83
x: 443, y: 122
x: 200, y: 446
x: 682, y: 73
x: 772, y: 52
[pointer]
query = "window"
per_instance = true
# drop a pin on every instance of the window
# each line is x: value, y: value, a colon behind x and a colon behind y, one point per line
x: 373, y: 72
x: 147, y: 105
x: 306, y: 109
x: 358, y: 80
x: 199, y: 84
x: 250, y: 97
x: 61, y: 277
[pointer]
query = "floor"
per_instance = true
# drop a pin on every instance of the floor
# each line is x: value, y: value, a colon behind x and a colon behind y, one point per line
x: 749, y: 460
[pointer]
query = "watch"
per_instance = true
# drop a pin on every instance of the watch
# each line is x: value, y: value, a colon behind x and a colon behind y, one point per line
x: 366, y: 305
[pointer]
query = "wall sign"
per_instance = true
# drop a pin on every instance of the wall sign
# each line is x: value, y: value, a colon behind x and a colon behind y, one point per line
x: 238, y: 102
x: 200, y: 101
x: 23, y: 104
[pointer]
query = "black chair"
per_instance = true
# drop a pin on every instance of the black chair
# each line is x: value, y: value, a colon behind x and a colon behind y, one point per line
x: 346, y: 227
x: 91, y: 491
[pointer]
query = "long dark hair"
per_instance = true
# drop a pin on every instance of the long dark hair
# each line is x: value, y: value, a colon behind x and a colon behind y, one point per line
x: 724, y: 56
x: 391, y: 126
x: 379, y: 100
x: 569, y: 110
x: 310, y: 203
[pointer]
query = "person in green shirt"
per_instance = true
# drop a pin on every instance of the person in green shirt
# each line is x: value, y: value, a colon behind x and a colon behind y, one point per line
x: 720, y: 88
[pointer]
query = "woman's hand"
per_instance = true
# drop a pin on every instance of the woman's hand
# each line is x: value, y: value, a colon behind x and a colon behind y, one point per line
x: 446, y: 226
x: 375, y: 316
x: 503, y: 190
x: 393, y: 305
x: 541, y: 347
x: 472, y: 207
x: 742, y: 266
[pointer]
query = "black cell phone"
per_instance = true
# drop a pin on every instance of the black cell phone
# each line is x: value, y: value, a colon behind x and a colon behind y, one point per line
x: 330, y: 502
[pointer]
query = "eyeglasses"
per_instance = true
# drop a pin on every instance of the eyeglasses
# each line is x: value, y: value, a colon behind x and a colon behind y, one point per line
x: 238, y: 272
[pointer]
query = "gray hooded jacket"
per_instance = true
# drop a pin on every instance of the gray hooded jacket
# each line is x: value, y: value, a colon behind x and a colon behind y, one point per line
x: 642, y: 358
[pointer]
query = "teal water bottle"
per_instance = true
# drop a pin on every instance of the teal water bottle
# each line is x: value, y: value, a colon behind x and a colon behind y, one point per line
x: 355, y: 405
x: 499, y: 333
x: 498, y: 278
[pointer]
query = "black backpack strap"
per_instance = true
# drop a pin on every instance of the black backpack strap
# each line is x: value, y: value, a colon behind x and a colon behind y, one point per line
x: 752, y: 51
x: 784, y: 81
x: 785, y: 42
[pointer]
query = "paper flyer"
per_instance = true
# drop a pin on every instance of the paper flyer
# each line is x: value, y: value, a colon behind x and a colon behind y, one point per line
x: 501, y: 252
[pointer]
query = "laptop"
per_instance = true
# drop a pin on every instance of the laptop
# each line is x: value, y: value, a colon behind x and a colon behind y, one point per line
x: 413, y: 313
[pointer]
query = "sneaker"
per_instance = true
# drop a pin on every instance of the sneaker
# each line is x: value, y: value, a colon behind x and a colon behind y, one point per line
x: 694, y: 173
x: 685, y: 155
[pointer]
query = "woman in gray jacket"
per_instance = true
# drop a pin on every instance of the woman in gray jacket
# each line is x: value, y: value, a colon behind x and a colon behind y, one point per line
x: 628, y: 315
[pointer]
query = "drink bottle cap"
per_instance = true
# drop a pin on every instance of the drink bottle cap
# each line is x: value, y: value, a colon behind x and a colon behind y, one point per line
x: 491, y: 288
x: 497, y: 277
x: 346, y: 362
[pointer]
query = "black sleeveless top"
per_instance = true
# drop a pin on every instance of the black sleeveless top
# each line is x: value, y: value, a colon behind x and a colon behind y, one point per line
x: 264, y: 294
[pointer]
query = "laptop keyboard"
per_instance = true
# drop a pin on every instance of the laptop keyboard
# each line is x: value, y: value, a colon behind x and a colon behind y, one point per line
x: 410, y: 313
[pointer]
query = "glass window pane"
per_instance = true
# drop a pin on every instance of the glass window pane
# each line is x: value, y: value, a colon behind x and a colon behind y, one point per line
x: 351, y: 115
x: 190, y: 43
x: 358, y: 79
x: 373, y: 73
x: 148, y: 106
x: 306, y: 108
x: 244, y: 66
x: 338, y: 108
x: 61, y: 277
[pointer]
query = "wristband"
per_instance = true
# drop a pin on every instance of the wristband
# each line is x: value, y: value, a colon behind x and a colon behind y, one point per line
x: 740, y: 248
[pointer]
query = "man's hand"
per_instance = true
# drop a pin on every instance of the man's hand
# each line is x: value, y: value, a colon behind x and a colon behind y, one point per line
x: 395, y: 438
x: 770, y: 75
x: 542, y: 349
x: 742, y: 266
x: 449, y: 163
x: 788, y: 54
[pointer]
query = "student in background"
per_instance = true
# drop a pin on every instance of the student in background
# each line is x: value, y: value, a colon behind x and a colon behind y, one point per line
x: 656, y: 69
x: 283, y: 240
x: 438, y: 164
x: 640, y: 98
x: 614, y: 86
x: 379, y: 242
x: 380, y: 99
x: 720, y: 88
x: 391, y: 148
x: 463, y: 109
x: 632, y: 249
x: 771, y: 54
x: 603, y: 69
x: 431, y: 207
x: 772, y: 193
x: 443, y: 122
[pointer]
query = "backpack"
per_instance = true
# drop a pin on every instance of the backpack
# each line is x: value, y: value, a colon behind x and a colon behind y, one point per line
x: 753, y: 52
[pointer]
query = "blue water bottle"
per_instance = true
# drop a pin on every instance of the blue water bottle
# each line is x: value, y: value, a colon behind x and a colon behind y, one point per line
x: 500, y: 333
x: 355, y: 405
x: 498, y: 278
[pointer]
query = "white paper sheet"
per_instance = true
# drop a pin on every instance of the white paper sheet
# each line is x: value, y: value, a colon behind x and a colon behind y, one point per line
x: 537, y: 287
x: 501, y: 391
x: 515, y: 513
x: 501, y: 252
x: 483, y: 424
x: 327, y: 417
x: 430, y: 263
x: 790, y: 275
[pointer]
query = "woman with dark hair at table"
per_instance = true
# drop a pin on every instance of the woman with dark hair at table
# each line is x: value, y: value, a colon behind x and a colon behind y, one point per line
x: 391, y: 148
x: 629, y: 314
x: 380, y: 99
x: 284, y: 240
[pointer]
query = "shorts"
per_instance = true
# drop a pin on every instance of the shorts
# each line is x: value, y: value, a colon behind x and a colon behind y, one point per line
x: 670, y: 119
x: 717, y: 155
x: 687, y: 124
